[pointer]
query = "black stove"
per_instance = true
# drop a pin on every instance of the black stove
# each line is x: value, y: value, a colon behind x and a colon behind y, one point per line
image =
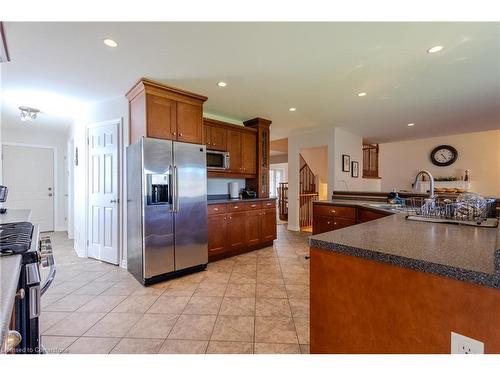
x: 15, y: 238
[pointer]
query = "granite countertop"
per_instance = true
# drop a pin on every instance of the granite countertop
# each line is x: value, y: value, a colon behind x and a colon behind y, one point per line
x: 10, y: 268
x: 15, y: 216
x: 227, y: 200
x: 456, y: 251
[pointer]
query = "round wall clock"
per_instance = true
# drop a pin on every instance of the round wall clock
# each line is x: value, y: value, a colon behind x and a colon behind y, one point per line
x: 444, y: 155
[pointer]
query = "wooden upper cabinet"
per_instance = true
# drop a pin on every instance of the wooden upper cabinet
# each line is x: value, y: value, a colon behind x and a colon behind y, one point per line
x: 234, y: 147
x: 215, y: 137
x: 160, y: 111
x: 249, y: 147
x: 161, y: 117
x: 189, y: 123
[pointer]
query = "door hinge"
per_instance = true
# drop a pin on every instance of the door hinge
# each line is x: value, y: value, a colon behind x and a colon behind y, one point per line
x: 87, y: 242
x: 88, y: 140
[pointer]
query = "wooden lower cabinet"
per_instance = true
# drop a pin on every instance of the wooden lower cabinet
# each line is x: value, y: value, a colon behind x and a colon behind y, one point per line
x: 268, y: 224
x: 217, y: 233
x: 240, y: 229
x: 236, y: 230
x: 253, y: 227
x: 330, y: 217
x: 368, y: 215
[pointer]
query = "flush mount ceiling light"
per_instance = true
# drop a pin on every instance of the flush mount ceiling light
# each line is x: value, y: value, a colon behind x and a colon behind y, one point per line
x: 362, y: 94
x: 435, y: 49
x: 110, y: 43
x: 28, y: 113
x: 292, y: 109
x: 221, y: 84
x: 411, y: 124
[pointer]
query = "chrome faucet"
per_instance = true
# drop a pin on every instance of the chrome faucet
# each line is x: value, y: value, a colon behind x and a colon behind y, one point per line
x: 431, y: 179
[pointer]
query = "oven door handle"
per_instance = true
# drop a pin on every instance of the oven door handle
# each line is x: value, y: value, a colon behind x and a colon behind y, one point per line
x: 52, y: 274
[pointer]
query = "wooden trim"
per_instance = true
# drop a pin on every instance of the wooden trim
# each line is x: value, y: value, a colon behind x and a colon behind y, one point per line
x: 222, y: 124
x: 222, y: 174
x: 212, y: 257
x: 158, y: 88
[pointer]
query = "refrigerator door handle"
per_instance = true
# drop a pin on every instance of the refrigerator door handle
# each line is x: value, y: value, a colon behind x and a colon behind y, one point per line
x: 171, y: 188
x: 176, y: 190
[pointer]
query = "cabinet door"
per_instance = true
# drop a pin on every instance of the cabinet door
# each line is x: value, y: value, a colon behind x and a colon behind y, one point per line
x: 218, y: 138
x: 189, y: 123
x: 322, y: 224
x: 206, y: 134
x: 234, y: 142
x: 236, y: 230
x: 340, y: 222
x: 217, y: 233
x: 367, y: 215
x: 161, y: 117
x: 253, y: 227
x: 249, y: 153
x: 268, y: 225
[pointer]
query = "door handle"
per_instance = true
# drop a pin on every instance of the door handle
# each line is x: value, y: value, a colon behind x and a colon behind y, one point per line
x: 114, y: 201
x: 50, y: 194
x: 176, y: 190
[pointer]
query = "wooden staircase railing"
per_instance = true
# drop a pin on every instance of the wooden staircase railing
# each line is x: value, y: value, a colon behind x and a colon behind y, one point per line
x: 283, y: 200
x: 308, y: 193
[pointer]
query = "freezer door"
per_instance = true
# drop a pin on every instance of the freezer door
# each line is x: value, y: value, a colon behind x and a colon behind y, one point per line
x: 158, y: 210
x: 190, y: 205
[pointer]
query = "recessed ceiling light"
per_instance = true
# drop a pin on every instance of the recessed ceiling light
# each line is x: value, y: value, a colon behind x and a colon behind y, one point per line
x: 411, y: 124
x: 292, y: 109
x: 221, y: 84
x: 110, y: 43
x: 435, y: 49
x: 362, y: 94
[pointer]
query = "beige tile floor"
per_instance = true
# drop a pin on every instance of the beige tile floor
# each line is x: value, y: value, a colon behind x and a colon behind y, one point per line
x: 253, y: 303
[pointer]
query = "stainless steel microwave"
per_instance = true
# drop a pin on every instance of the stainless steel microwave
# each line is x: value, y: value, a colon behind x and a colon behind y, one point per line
x: 217, y: 159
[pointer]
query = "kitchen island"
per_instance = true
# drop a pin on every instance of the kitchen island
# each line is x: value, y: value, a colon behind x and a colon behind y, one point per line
x: 391, y: 285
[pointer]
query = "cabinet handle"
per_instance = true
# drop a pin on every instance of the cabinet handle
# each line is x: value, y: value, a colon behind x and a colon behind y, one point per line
x: 332, y: 211
x: 216, y: 209
x: 328, y: 222
x: 334, y: 223
x: 180, y: 134
x: 235, y: 207
x: 173, y: 133
x: 225, y: 218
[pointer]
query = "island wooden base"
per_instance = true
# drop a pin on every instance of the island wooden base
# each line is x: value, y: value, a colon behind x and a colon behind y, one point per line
x: 363, y: 306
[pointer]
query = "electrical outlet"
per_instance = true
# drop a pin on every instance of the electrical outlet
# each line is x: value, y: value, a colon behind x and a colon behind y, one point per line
x: 465, y: 345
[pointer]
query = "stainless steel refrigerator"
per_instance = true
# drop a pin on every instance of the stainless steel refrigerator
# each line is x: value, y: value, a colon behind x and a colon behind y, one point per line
x: 166, y: 209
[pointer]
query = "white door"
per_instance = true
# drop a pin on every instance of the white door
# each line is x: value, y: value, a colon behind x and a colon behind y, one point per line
x: 28, y: 172
x: 102, y: 190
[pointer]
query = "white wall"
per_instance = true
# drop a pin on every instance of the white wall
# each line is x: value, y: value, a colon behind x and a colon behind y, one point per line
x: 28, y: 134
x: 115, y: 108
x: 399, y: 162
x: 351, y: 144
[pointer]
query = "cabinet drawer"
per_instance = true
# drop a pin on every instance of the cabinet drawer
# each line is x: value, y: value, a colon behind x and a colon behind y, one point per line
x: 237, y: 206
x: 347, y: 212
x: 340, y: 222
x: 214, y: 209
x: 254, y: 205
x: 269, y: 204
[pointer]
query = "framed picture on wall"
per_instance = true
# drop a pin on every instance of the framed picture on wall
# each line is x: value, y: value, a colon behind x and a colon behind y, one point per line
x: 355, y: 169
x: 346, y: 163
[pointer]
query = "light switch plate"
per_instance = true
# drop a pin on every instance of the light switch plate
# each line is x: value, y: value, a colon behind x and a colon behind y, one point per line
x: 465, y: 345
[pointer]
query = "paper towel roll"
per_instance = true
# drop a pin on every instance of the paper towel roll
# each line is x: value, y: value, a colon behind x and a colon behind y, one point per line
x: 234, y: 191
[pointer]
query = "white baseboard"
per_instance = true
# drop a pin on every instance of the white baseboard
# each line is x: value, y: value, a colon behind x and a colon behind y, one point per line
x: 79, y: 252
x: 123, y: 263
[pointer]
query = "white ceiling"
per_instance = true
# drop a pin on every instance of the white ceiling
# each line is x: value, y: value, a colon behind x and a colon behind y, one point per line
x: 316, y: 67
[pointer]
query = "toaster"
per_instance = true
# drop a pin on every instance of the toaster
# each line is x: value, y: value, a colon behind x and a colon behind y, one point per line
x: 248, y: 194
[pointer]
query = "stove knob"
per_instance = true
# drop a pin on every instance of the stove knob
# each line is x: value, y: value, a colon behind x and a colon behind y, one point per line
x: 20, y: 293
x: 13, y: 340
